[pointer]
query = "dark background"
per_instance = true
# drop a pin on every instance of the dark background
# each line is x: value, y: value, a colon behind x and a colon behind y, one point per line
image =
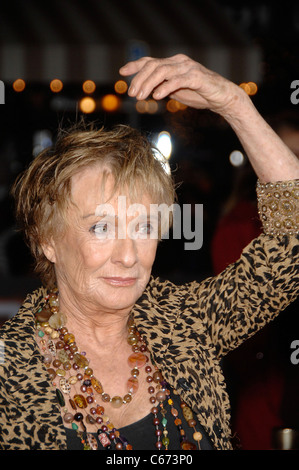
x: 74, y: 41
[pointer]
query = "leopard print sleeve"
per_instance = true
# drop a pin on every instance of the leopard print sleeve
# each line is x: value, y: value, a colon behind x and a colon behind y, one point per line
x: 264, y: 281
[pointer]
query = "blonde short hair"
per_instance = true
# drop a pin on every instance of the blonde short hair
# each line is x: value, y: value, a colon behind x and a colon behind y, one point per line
x: 43, y: 192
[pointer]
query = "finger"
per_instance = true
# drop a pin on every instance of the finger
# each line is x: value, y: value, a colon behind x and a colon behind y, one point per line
x: 165, y: 79
x: 142, y: 77
x: 171, y: 85
x: 157, y: 74
x: 130, y: 68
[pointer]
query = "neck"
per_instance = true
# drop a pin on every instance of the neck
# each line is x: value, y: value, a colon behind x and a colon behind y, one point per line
x: 93, y: 325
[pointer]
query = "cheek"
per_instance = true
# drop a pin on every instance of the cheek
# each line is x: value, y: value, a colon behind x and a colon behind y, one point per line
x: 147, y: 253
x: 94, y: 254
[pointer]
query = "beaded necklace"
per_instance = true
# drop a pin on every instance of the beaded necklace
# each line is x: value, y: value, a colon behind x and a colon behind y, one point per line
x: 73, y: 379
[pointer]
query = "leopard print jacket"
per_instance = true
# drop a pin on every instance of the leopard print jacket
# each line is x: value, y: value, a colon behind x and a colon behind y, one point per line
x: 187, y: 328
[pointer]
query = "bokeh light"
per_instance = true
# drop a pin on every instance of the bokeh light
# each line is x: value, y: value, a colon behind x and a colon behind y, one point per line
x: 164, y: 144
x: 120, y: 86
x: 173, y: 106
x: 56, y: 85
x: 19, y: 85
x: 141, y: 106
x: 237, y: 158
x: 87, y: 105
x: 110, y: 102
x: 250, y: 88
x: 89, y: 86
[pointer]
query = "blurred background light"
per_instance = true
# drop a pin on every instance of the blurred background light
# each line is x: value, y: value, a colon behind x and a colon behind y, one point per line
x: 89, y: 86
x: 110, y: 102
x: 120, y: 86
x: 163, y: 144
x: 249, y: 87
x: 56, y: 85
x: 41, y: 140
x: 87, y: 105
x: 237, y: 158
x: 19, y: 85
x: 141, y: 106
x: 152, y: 106
x: 173, y: 106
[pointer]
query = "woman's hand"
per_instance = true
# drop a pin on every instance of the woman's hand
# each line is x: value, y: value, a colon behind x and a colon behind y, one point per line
x: 189, y: 82
x: 185, y: 80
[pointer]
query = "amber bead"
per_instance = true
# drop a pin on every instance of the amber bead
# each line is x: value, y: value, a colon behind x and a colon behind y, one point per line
x: 116, y: 401
x: 128, y: 398
x: 73, y: 404
x: 90, y: 419
x: 73, y: 379
x: 157, y: 376
x: 96, y: 385
x: 132, y: 385
x: 132, y: 339
x: 186, y: 445
x: 100, y: 410
x: 80, y: 401
x: 56, y: 363
x: 105, y: 397
x: 88, y: 372
x: 43, y: 315
x: 73, y: 348
x: 191, y: 423
x: 80, y: 360
x: 136, y: 360
x: 161, y: 395
x: 63, y: 356
x: 69, y: 338
x: 52, y: 373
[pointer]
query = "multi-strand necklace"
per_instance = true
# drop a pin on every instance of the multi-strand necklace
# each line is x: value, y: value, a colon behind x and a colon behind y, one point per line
x: 74, y: 381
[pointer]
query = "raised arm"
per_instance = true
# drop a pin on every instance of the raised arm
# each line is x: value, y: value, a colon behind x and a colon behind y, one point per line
x: 189, y: 82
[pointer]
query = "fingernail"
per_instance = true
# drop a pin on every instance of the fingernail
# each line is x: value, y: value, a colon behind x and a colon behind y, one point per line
x: 131, y: 90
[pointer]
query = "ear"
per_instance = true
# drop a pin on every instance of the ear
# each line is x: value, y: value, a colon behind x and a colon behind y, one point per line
x: 49, y: 250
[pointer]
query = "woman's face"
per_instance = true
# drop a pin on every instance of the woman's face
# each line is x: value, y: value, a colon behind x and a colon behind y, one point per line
x: 105, y: 257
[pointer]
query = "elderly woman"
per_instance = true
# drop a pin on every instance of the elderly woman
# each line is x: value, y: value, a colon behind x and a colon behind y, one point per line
x: 103, y: 356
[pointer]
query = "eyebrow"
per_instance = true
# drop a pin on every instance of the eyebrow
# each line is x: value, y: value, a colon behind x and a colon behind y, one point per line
x: 99, y: 216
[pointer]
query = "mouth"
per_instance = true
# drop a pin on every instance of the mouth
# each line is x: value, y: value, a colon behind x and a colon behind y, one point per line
x: 120, y: 281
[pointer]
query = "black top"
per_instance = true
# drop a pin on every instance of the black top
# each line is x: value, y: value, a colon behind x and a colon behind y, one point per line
x: 141, y: 434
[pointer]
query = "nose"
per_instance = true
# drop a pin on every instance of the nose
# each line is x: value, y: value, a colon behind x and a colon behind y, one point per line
x: 124, y: 252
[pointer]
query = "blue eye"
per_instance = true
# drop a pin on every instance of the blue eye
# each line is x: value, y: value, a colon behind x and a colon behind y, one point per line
x: 100, y: 229
x: 145, y: 228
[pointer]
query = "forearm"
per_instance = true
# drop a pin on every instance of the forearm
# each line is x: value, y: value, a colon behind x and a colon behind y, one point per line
x: 270, y: 158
